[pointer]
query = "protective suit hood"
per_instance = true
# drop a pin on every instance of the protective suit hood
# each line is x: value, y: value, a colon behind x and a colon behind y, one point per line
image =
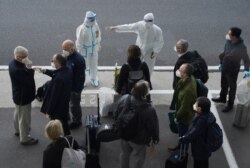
x: 90, y: 18
x: 149, y: 17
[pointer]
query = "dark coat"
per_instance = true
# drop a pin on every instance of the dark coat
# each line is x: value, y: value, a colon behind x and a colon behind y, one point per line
x: 186, y: 58
x: 197, y: 135
x: 148, y: 124
x: 77, y: 64
x: 52, y: 155
x: 57, y: 97
x: 232, y: 56
x: 23, y: 83
x: 122, y: 86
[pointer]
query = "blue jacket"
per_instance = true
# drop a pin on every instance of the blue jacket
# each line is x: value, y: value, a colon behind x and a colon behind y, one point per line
x: 23, y: 83
x: 76, y: 62
x: 57, y: 97
x: 197, y: 135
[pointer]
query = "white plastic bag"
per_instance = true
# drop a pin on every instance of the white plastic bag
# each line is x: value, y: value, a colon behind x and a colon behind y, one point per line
x: 72, y: 157
x: 106, y: 97
x: 243, y: 91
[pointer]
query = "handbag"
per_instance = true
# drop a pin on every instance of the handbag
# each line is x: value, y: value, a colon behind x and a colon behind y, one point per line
x: 72, y: 157
x: 172, y: 124
x: 107, y: 133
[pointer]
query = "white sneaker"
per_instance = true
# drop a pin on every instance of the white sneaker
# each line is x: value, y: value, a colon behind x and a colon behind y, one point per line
x: 96, y: 82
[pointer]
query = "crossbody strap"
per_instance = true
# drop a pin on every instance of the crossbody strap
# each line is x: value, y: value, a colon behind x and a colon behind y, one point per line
x: 70, y: 146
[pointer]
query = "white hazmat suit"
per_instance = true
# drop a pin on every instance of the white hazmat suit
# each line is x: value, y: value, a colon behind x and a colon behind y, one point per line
x: 88, y: 38
x: 149, y: 38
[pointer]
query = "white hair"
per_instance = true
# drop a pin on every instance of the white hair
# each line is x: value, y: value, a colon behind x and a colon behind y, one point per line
x: 20, y: 50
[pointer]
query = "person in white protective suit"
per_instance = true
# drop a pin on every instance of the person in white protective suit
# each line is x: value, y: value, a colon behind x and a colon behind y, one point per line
x: 88, y: 38
x: 149, y: 38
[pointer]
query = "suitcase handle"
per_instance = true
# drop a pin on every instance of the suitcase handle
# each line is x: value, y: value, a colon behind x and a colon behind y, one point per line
x: 98, y: 109
x: 88, y: 140
x: 182, y: 150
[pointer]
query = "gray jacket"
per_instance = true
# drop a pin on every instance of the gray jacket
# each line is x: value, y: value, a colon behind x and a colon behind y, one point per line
x: 232, y: 56
x: 148, y: 125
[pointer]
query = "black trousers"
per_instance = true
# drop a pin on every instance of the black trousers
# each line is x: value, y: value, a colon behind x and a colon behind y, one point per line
x: 201, y: 163
x: 76, y: 110
x: 229, y: 85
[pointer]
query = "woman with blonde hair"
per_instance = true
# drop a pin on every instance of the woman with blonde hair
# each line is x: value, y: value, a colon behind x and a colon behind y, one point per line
x: 52, y: 155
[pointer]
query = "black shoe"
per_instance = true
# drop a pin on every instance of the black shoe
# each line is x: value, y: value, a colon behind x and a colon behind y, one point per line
x: 227, y: 109
x: 219, y: 100
x: 32, y: 141
x: 75, y: 125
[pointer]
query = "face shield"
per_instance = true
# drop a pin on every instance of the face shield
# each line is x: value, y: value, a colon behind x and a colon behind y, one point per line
x: 90, y: 17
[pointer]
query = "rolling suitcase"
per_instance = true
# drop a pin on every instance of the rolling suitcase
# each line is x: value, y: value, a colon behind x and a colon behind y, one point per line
x: 92, y: 123
x: 177, y: 159
x: 241, y: 116
x: 92, y: 158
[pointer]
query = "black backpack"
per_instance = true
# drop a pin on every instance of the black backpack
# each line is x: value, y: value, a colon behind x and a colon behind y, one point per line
x: 200, y: 67
x: 202, y: 89
x: 41, y: 91
x: 134, y: 76
x: 127, y: 121
x: 214, y: 137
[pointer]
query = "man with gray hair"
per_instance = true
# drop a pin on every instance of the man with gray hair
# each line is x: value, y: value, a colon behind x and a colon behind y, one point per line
x: 181, y: 48
x: 192, y: 57
x: 23, y: 93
